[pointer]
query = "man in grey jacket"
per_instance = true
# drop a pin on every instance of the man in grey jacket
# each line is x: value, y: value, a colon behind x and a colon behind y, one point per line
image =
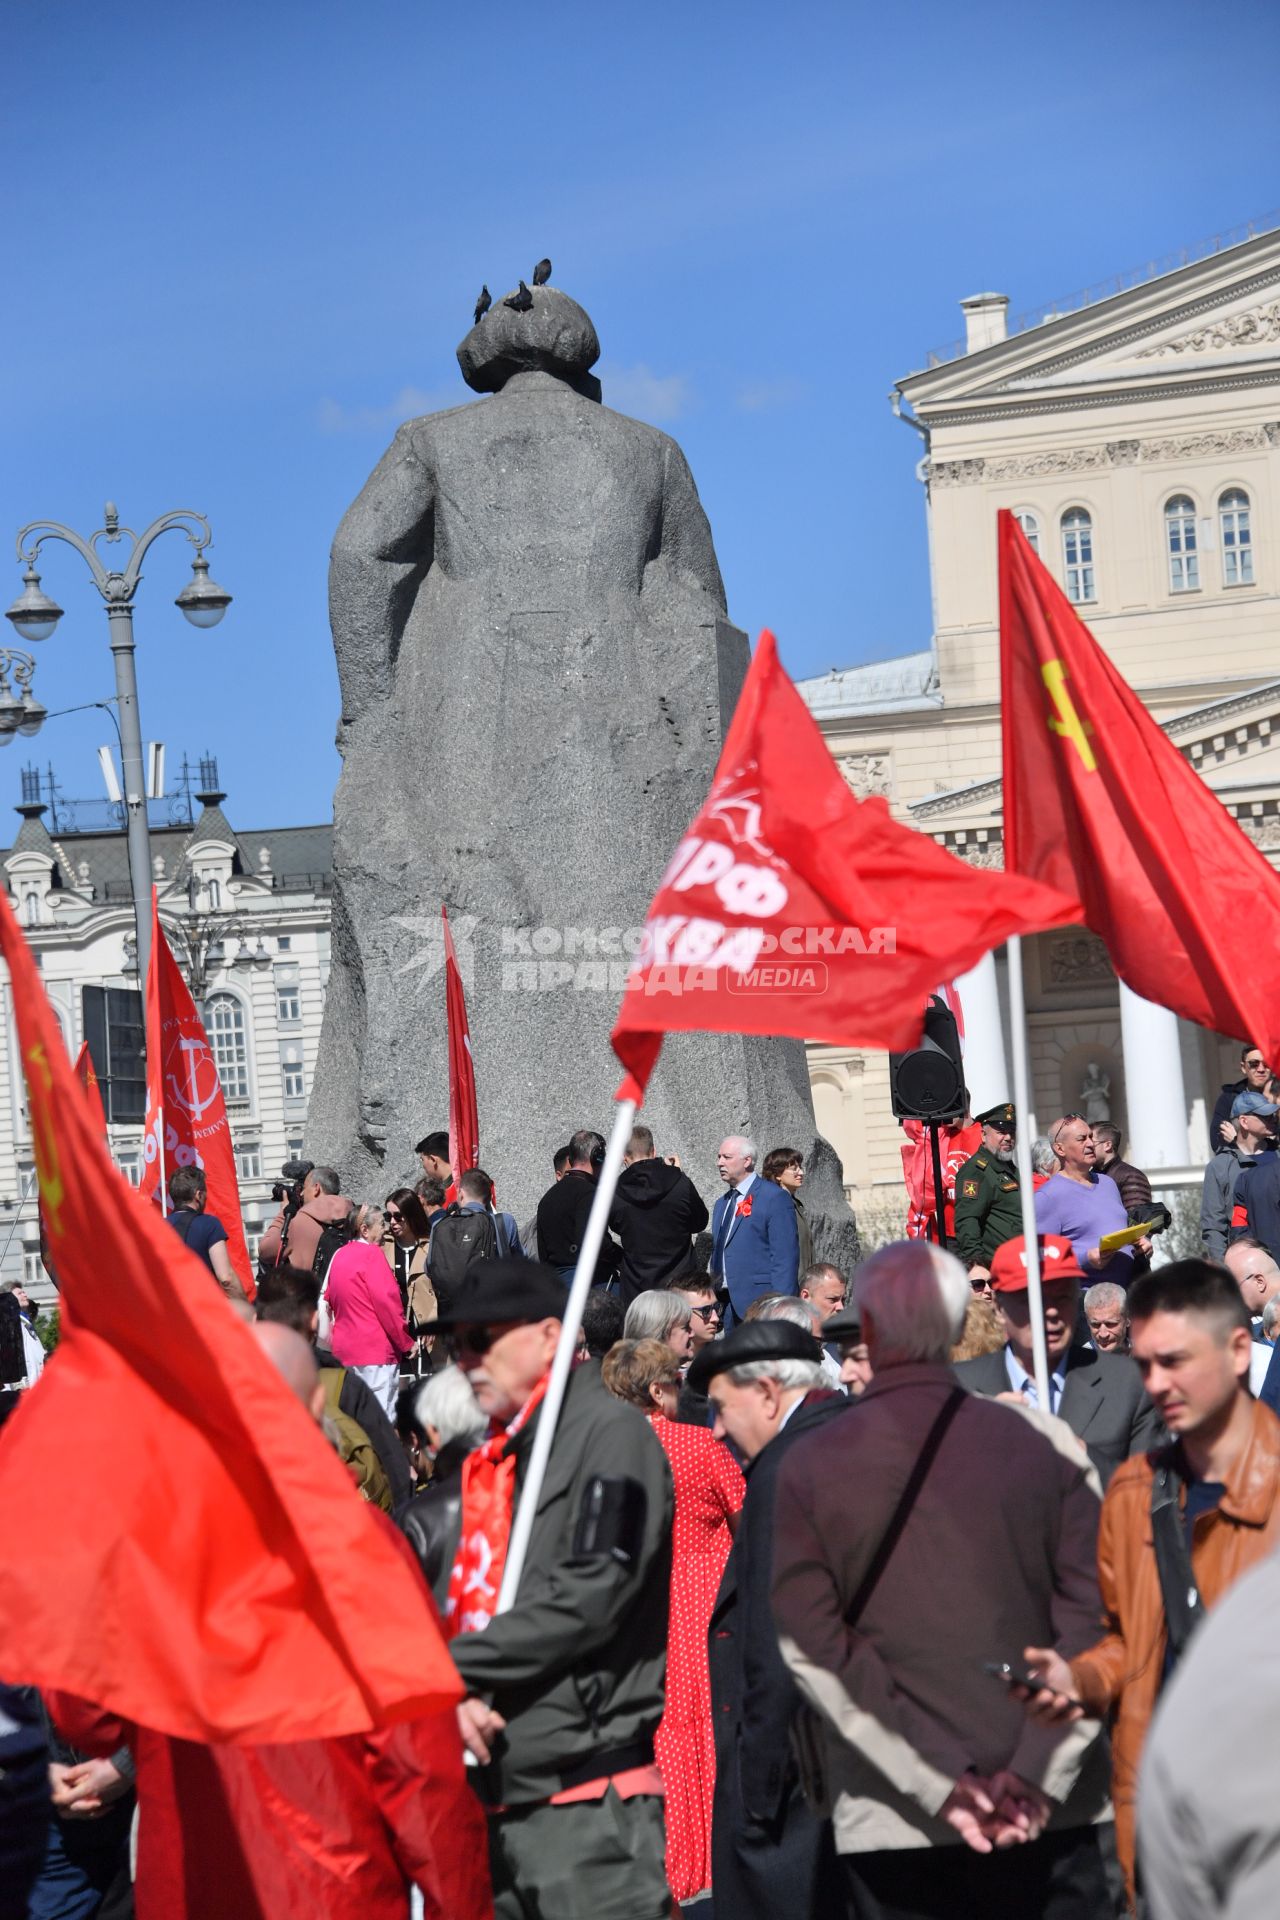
x: 914, y: 1542
x: 565, y: 1690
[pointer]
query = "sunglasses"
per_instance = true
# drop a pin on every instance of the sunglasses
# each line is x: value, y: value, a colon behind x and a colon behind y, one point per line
x: 707, y: 1313
x: 1253, y: 1066
x: 394, y: 1218
x: 479, y: 1340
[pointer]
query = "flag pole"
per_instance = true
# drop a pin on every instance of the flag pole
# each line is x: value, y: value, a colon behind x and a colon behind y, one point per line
x: 1022, y: 1154
x: 549, y: 1412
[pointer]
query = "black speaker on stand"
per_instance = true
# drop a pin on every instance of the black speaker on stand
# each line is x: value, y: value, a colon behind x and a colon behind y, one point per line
x: 928, y: 1084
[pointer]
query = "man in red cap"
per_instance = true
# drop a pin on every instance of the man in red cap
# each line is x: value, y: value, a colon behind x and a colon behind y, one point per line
x: 1099, y: 1395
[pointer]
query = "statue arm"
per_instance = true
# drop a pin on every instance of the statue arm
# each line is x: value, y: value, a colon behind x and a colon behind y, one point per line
x: 381, y: 553
x: 686, y: 554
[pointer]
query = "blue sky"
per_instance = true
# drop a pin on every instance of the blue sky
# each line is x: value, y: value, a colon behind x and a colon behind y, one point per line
x: 244, y: 242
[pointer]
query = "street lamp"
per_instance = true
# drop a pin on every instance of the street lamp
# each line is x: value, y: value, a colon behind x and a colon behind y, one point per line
x: 34, y: 615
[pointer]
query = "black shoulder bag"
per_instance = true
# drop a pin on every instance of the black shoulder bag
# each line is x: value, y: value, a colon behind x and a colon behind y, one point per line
x: 910, y: 1494
x: 1183, y: 1606
x: 807, y: 1745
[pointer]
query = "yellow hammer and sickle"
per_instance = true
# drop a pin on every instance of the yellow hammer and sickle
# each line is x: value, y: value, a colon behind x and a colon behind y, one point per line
x: 52, y: 1191
x: 1068, y: 722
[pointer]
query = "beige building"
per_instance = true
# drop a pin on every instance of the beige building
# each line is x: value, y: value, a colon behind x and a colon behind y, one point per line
x: 1138, y: 440
x: 246, y: 913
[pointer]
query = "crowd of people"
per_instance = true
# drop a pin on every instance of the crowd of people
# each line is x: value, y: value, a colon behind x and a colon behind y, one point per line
x: 825, y: 1611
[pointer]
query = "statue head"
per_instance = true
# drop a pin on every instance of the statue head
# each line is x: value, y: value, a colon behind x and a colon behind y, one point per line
x: 555, y: 336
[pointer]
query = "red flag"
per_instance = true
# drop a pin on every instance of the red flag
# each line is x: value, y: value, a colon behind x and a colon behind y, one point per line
x: 791, y: 908
x: 1100, y: 804
x: 203, y: 1566
x: 86, y: 1074
x: 464, y: 1118
x: 186, y: 1113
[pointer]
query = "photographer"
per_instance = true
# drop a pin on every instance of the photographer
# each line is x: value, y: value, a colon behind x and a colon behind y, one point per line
x: 302, y: 1220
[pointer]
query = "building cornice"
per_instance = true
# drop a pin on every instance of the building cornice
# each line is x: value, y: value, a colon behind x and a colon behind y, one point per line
x: 1080, y: 400
x: 1061, y: 462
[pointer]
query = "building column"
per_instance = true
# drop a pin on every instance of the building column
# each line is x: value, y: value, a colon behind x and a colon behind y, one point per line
x: 985, y: 1070
x: 1154, y: 1092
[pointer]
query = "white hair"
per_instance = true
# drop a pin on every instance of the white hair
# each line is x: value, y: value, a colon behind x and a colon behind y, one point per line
x: 652, y: 1315
x: 745, y: 1145
x: 788, y: 1307
x: 1270, y: 1315
x: 783, y: 1373
x: 445, y: 1401
x: 1043, y: 1157
x: 1104, y: 1295
x: 911, y: 1298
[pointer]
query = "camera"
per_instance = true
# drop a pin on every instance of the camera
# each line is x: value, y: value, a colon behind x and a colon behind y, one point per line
x: 288, y: 1190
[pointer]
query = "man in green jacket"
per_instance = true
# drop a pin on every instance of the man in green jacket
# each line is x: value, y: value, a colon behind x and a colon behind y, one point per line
x: 988, y: 1200
x: 565, y: 1689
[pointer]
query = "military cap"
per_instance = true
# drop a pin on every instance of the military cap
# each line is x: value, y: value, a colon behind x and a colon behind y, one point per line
x: 753, y: 1340
x: 1002, y: 1115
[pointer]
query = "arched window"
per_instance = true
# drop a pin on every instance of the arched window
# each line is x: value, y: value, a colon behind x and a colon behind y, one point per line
x: 31, y: 908
x: 1237, y: 539
x: 1180, y: 541
x: 224, y: 1024
x: 215, y: 896
x: 1031, y: 527
x: 1077, y: 555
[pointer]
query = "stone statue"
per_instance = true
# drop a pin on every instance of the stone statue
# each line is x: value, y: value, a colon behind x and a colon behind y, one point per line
x: 1095, y: 1093
x: 536, y: 675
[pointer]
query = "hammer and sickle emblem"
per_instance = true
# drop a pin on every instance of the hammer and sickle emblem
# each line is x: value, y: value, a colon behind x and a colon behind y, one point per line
x: 1068, y: 722
x: 52, y: 1190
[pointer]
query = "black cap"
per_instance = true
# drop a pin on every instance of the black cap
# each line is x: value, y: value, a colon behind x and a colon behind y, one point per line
x: 495, y: 1290
x: 845, y: 1325
x: 753, y: 1340
x: 1002, y: 1115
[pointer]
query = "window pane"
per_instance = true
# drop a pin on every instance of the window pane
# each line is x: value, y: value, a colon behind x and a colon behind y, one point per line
x: 113, y: 1028
x: 1180, y: 538
x: 1237, y: 539
x: 224, y: 1023
x: 1077, y: 554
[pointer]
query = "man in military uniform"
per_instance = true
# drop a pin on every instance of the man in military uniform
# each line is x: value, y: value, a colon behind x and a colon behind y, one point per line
x: 988, y: 1201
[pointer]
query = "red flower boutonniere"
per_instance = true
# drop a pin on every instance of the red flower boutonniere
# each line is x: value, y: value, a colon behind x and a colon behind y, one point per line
x: 744, y: 1207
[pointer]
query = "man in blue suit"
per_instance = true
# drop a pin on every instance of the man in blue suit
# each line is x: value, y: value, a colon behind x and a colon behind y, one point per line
x: 754, y: 1245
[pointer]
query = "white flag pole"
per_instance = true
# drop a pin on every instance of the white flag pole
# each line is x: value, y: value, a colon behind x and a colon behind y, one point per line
x: 549, y: 1412
x: 1022, y: 1151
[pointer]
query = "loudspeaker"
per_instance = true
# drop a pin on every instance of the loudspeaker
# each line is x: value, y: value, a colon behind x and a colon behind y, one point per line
x: 928, y: 1082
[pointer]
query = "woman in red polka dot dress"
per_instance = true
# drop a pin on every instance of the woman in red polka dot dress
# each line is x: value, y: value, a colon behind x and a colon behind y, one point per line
x: 709, y: 1493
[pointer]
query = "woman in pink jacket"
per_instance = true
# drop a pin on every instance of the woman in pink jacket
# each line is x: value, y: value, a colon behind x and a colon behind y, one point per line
x: 369, y: 1334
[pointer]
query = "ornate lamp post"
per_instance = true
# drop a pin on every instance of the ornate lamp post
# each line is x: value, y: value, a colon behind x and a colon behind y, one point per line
x: 35, y: 616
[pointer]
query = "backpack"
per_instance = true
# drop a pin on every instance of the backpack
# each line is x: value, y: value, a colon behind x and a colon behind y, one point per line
x: 355, y: 1448
x: 335, y: 1234
x: 458, y: 1240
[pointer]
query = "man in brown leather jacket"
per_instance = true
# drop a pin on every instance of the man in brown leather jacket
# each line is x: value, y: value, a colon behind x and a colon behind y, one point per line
x: 1190, y: 1337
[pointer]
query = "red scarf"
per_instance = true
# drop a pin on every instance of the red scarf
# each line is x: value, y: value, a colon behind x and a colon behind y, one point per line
x: 488, y: 1499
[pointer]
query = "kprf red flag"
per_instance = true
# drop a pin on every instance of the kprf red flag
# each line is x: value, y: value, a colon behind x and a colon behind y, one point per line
x: 183, y: 1546
x: 792, y: 908
x: 464, y: 1117
x: 1100, y: 804
x: 87, y: 1075
x: 186, y: 1113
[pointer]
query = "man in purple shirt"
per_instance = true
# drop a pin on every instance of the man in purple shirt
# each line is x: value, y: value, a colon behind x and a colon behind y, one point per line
x: 1082, y: 1204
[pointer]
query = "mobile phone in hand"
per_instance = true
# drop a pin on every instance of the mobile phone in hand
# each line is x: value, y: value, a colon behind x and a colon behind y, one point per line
x: 1015, y: 1677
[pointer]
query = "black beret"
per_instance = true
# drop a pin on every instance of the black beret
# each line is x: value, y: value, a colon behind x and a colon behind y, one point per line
x: 753, y: 1340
